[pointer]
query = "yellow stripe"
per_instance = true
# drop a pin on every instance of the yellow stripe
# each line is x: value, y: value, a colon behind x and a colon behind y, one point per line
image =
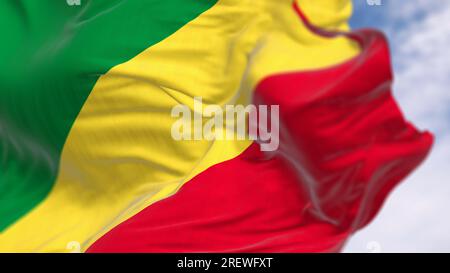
x: 120, y: 157
x: 329, y: 14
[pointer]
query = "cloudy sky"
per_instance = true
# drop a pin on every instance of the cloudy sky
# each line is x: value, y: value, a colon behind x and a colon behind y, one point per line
x: 416, y: 217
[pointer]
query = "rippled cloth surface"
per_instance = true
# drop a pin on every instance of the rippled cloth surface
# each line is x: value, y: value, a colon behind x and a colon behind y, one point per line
x: 88, y: 158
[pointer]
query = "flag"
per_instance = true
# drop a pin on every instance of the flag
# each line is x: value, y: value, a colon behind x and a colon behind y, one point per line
x: 88, y: 158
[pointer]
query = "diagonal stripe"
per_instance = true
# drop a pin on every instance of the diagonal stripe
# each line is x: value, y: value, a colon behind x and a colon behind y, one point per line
x: 119, y: 156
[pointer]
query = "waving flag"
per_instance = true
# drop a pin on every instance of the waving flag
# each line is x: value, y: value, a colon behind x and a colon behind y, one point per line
x: 87, y: 157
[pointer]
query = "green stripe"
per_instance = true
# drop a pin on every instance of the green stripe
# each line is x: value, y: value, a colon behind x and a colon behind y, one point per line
x: 51, y: 56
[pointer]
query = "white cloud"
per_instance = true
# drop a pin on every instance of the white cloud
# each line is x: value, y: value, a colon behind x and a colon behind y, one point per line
x: 416, y: 216
x: 422, y: 60
x: 411, y: 9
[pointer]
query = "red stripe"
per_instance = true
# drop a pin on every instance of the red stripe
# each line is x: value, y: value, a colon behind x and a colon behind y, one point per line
x: 344, y: 146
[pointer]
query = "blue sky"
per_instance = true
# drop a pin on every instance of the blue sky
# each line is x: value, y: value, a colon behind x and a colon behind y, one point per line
x: 416, y: 217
